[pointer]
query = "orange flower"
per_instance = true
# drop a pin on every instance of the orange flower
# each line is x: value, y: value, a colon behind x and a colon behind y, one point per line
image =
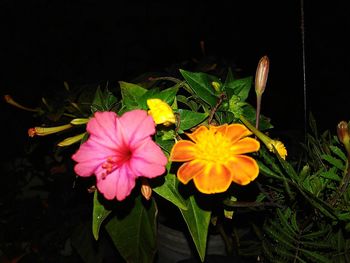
x: 215, y: 157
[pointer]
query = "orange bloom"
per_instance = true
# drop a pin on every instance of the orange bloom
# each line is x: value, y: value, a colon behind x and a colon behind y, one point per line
x: 215, y: 157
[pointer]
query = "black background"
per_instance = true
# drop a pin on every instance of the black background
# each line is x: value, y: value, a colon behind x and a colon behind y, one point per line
x: 44, y: 43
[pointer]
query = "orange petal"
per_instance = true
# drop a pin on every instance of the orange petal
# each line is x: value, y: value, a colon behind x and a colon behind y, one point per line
x: 237, y: 131
x: 197, y: 135
x: 221, y: 129
x: 216, y: 178
x: 244, y: 169
x: 245, y: 145
x: 189, y: 170
x: 183, y: 151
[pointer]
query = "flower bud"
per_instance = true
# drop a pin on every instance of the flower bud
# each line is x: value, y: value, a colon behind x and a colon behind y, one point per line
x: 343, y: 134
x: 42, y: 131
x: 11, y: 101
x: 261, y: 75
x: 70, y: 140
x: 216, y: 86
x: 146, y: 189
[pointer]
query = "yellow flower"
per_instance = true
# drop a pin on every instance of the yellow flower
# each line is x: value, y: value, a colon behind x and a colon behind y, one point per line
x: 214, y: 158
x: 42, y: 131
x: 161, y: 112
x: 272, y: 145
x: 280, y: 148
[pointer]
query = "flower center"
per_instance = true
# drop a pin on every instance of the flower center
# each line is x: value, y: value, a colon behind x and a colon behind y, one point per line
x: 214, y: 147
x: 113, y: 162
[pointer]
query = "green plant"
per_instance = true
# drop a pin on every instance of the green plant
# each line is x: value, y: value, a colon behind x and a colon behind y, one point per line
x: 297, y: 212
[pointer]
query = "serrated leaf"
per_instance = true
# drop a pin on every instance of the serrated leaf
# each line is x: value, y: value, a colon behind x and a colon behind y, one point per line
x: 331, y: 174
x: 333, y: 161
x: 338, y: 152
x: 134, y: 234
x: 284, y: 220
x: 197, y: 221
x: 189, y: 119
x: 200, y: 83
x: 99, y: 214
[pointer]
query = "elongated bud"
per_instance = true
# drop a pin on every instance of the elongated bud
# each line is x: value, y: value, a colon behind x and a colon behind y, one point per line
x: 43, y: 131
x: 261, y: 75
x: 11, y: 101
x: 146, y: 189
x: 343, y: 134
x: 70, y: 140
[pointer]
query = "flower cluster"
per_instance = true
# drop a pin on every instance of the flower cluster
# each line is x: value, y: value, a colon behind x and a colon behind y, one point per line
x: 196, y: 130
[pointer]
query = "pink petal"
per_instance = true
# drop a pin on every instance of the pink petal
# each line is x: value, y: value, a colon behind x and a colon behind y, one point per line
x: 102, y: 128
x: 89, y: 157
x: 148, y: 159
x: 136, y: 125
x: 117, y: 184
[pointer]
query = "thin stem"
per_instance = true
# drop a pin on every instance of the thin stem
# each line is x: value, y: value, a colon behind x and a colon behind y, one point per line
x: 302, y: 27
x: 258, y: 107
x: 212, y: 112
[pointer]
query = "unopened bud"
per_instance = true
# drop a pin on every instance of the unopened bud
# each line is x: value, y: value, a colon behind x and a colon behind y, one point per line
x: 43, y: 131
x: 11, y: 101
x: 146, y: 189
x: 261, y: 75
x: 343, y: 134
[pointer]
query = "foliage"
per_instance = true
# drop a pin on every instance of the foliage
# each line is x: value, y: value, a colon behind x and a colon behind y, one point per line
x: 293, y: 212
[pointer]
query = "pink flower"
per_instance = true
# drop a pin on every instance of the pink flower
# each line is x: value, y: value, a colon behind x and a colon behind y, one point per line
x: 118, y: 151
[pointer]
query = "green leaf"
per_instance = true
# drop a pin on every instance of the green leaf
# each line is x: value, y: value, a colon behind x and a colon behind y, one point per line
x: 85, y: 245
x: 169, y: 190
x: 189, y: 103
x: 103, y: 101
x: 315, y: 256
x: 288, y: 168
x: 228, y: 84
x: 331, y: 174
x: 249, y: 113
x: 321, y: 205
x: 99, y: 214
x: 197, y: 221
x: 239, y: 87
x: 134, y: 234
x: 167, y: 95
x: 200, y: 83
x: 338, y: 152
x: 284, y: 220
x: 267, y: 171
x: 189, y: 119
x: 131, y: 94
x: 333, y: 161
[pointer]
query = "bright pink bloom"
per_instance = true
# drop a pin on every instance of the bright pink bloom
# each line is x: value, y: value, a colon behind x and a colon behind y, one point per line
x: 118, y: 151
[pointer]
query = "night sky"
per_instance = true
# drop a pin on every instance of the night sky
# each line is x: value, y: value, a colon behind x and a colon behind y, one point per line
x: 44, y: 43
